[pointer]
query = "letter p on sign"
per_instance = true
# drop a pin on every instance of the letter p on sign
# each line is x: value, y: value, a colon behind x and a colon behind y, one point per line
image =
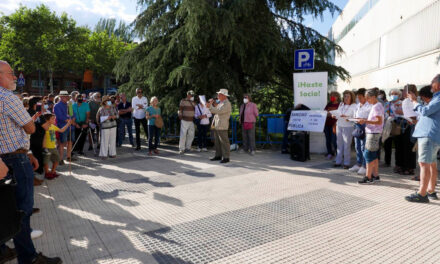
x: 304, y: 59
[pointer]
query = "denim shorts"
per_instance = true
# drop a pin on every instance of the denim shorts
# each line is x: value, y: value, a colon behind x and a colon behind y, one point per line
x: 427, y: 150
x: 64, y: 137
x: 370, y: 156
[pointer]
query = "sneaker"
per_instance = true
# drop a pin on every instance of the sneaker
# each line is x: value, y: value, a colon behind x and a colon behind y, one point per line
x: 204, y: 149
x: 375, y: 178
x: 417, y: 198
x: 7, y: 254
x: 49, y: 176
x: 354, y: 168
x: 41, y: 259
x: 362, y: 171
x: 181, y: 152
x: 36, y: 234
x: 329, y: 156
x: 365, y: 180
x: 252, y: 153
x: 199, y: 150
x: 432, y: 196
x: 187, y: 150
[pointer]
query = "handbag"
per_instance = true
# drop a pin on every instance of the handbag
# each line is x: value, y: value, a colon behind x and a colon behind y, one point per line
x: 10, y: 222
x: 158, y: 122
x: 248, y: 125
x: 396, y: 129
x: 359, y: 132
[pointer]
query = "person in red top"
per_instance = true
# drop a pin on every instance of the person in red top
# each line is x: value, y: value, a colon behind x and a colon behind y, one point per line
x: 330, y: 124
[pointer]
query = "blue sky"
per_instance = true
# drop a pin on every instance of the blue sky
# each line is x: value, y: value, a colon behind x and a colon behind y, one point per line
x: 88, y: 12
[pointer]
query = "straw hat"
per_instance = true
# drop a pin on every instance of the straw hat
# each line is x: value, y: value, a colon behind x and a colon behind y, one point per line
x: 104, y: 99
x: 224, y: 92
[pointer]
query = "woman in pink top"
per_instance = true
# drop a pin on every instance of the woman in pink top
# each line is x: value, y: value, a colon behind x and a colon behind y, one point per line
x: 373, y: 131
x: 248, y: 117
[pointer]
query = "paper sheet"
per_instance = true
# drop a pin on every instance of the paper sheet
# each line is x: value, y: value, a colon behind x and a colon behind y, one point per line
x: 202, y: 99
x: 336, y: 114
x: 407, y: 107
x: 354, y: 119
x: 103, y: 118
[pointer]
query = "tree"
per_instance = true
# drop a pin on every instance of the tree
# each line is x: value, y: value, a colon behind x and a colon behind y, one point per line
x: 124, y: 32
x: 38, y: 40
x: 241, y: 45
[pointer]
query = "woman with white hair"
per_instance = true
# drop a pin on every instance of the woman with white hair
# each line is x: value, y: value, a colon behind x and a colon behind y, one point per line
x: 152, y: 113
x: 393, y: 109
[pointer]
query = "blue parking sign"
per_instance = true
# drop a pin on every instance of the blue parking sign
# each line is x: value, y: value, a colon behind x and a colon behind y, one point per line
x: 304, y: 59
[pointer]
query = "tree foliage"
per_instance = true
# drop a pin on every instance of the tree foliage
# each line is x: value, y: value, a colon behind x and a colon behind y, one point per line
x: 38, y: 39
x: 241, y: 45
x: 124, y: 32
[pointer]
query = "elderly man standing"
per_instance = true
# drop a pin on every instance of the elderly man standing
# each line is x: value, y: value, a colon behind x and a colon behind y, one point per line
x: 221, y: 109
x: 15, y: 125
x: 67, y: 137
x: 427, y: 132
x: 187, y: 112
x: 139, y: 103
x: 81, y: 110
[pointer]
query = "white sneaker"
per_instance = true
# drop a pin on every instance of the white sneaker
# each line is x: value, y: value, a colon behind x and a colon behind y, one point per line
x: 354, y: 168
x: 253, y: 153
x: 205, y: 149
x: 199, y: 149
x: 181, y: 152
x: 362, y: 171
x: 36, y: 234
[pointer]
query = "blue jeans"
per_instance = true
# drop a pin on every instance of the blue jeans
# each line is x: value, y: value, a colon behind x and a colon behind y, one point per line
x: 360, y: 147
x: 330, y: 140
x: 24, y: 174
x: 153, y: 131
x: 125, y: 122
x: 202, y: 130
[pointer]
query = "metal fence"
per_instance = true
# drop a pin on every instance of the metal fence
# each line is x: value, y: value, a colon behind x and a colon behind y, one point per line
x: 269, y: 128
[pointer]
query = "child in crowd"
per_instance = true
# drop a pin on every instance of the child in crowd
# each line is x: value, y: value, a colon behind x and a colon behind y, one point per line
x: 49, y: 145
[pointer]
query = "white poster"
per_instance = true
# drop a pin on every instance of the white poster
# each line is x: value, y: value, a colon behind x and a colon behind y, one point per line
x: 312, y: 121
x: 310, y: 89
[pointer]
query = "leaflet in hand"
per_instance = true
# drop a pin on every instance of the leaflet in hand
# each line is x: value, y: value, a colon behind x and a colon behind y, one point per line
x: 336, y: 114
x: 103, y: 118
x: 408, y: 108
x: 202, y: 99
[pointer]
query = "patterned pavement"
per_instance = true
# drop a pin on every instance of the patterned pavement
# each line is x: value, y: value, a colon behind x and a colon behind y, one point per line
x: 262, y: 209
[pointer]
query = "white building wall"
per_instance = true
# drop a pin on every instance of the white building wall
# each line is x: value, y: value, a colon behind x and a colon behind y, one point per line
x: 395, y: 43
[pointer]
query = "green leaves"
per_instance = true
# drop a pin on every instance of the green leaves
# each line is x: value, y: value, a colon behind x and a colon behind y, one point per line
x: 38, y: 39
x: 241, y: 45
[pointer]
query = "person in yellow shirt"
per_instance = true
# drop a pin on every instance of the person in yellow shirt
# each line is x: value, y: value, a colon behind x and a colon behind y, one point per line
x: 49, y: 145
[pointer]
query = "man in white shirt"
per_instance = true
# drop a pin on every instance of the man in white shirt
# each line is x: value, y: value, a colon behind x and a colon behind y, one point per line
x: 139, y: 103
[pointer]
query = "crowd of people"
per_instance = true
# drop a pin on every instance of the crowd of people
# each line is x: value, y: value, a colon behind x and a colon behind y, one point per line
x: 40, y: 133
x: 409, y: 120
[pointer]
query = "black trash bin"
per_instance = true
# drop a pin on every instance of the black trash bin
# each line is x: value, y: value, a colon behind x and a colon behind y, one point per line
x: 300, y: 146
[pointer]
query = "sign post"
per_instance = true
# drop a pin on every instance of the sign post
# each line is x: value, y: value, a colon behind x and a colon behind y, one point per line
x: 310, y: 89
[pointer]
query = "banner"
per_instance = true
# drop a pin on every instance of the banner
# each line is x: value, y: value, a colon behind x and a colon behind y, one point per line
x: 312, y: 121
x: 310, y: 89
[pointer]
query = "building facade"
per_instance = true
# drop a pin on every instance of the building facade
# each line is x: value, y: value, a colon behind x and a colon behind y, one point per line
x: 388, y: 43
